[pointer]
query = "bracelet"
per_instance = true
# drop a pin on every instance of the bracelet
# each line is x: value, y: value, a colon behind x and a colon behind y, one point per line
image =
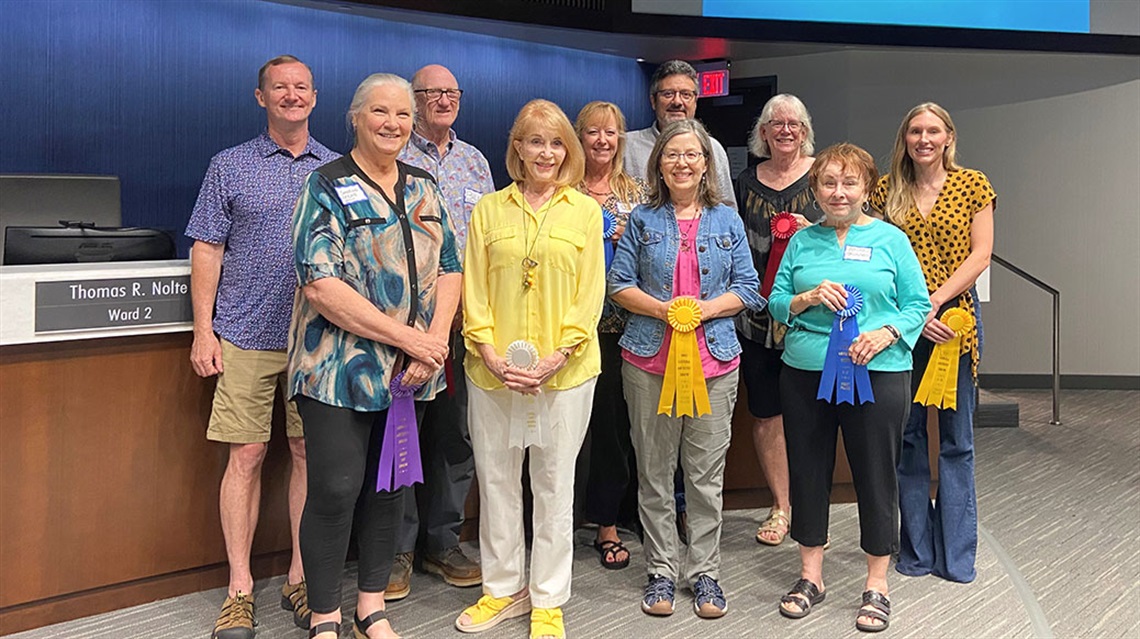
x: 893, y: 331
x: 566, y: 352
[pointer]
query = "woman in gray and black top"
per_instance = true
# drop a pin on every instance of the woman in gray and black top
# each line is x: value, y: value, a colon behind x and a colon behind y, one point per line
x: 783, y: 137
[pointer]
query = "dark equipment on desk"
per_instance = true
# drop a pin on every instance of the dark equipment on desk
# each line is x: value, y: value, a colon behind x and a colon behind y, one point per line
x: 82, y: 242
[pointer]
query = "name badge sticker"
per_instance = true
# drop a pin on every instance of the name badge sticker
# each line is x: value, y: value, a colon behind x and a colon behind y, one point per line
x: 350, y: 194
x: 471, y: 196
x: 857, y: 253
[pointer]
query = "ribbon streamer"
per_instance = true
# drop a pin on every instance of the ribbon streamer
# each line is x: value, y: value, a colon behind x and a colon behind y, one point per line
x: 684, y: 376
x: 783, y: 225
x: 530, y: 414
x: 400, y: 463
x: 939, y: 385
x: 609, y: 227
x: 842, y: 381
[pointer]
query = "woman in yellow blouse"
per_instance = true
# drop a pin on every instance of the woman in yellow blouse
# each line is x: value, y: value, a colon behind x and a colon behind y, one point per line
x: 531, y: 306
x: 948, y: 214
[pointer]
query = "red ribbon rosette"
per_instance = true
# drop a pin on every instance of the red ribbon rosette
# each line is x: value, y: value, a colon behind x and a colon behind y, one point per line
x: 784, y: 225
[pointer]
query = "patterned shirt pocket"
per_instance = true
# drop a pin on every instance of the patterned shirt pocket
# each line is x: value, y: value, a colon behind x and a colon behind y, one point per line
x: 364, y: 246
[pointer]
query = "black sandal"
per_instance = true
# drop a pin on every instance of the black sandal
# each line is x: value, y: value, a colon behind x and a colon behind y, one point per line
x: 325, y: 626
x: 360, y: 626
x: 804, y: 594
x: 608, y: 551
x: 876, y: 606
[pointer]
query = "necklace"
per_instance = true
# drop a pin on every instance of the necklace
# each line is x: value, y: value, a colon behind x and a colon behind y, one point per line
x: 529, y: 263
x: 596, y: 193
x: 687, y: 236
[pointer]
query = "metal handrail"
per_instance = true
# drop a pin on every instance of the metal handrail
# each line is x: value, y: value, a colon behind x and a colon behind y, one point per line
x: 1056, y: 331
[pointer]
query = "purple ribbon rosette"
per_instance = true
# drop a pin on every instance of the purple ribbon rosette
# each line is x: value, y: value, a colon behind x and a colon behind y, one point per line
x: 841, y: 377
x: 400, y: 463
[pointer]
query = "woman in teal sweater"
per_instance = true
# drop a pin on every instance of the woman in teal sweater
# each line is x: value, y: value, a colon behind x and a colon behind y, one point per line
x: 854, y: 296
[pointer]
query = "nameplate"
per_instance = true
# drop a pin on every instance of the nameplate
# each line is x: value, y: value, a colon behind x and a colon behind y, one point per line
x: 70, y: 305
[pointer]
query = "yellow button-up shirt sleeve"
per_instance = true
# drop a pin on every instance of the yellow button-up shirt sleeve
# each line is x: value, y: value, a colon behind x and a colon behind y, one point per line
x: 562, y: 307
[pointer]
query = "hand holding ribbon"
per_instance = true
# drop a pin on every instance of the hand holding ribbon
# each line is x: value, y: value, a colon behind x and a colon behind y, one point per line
x: 684, y: 376
x: 841, y: 377
x: 939, y: 385
x: 529, y: 423
x: 400, y: 449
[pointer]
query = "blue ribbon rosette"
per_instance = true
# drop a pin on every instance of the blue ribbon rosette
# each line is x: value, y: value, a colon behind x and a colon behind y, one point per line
x: 400, y: 449
x: 609, y: 227
x: 842, y: 380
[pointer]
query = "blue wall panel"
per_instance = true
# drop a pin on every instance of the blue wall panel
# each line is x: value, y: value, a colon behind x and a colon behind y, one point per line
x: 150, y: 90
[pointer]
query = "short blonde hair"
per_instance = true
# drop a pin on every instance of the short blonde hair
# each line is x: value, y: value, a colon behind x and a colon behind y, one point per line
x: 544, y: 114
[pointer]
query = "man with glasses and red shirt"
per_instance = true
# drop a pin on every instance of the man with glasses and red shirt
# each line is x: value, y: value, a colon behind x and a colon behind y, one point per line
x: 463, y: 176
x: 673, y: 96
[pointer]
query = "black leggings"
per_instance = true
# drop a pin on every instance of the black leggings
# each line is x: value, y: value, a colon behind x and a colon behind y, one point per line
x: 343, y: 448
x: 872, y: 435
x: 611, y: 449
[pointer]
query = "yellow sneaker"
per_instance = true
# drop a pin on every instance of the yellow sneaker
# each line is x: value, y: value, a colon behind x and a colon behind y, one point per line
x: 489, y: 611
x: 547, y: 622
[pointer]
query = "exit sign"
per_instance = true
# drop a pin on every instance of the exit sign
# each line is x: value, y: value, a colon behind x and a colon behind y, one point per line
x: 713, y: 83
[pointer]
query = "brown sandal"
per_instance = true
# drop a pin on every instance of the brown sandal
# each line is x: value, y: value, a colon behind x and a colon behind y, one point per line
x: 779, y: 523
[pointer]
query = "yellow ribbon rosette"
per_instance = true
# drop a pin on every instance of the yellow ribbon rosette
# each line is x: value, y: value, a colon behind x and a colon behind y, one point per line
x: 684, y: 377
x: 939, y: 385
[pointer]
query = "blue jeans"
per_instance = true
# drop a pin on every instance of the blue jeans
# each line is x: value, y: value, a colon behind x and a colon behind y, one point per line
x: 940, y: 537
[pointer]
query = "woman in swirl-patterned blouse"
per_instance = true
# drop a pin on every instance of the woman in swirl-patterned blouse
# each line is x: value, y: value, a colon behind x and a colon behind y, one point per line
x: 380, y: 280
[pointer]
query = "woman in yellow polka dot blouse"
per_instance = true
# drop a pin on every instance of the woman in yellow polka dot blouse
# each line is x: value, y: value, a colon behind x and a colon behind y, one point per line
x: 947, y: 212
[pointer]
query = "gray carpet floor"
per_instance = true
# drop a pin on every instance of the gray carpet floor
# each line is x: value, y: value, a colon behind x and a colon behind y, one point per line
x: 1057, y: 557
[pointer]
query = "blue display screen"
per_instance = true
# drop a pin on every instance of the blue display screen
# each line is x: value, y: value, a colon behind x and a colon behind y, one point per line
x: 1067, y: 16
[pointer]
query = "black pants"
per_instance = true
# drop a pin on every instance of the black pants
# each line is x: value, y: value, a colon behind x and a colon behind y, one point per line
x: 434, y: 510
x: 611, y: 449
x: 872, y: 435
x: 343, y: 450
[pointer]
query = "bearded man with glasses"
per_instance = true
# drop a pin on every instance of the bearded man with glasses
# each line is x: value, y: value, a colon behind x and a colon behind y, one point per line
x: 673, y: 96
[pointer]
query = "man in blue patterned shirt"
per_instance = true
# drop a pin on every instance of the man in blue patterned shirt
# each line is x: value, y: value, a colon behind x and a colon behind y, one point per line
x: 242, y: 283
x: 463, y: 176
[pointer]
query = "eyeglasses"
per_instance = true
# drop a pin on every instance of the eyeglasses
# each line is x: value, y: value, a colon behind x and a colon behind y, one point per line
x: 690, y: 156
x: 791, y: 125
x: 685, y: 94
x: 435, y: 94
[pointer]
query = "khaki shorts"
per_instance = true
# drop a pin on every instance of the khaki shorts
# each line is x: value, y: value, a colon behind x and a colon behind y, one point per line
x: 243, y: 399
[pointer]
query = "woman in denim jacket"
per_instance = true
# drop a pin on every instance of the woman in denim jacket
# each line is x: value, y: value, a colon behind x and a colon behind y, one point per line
x: 682, y: 244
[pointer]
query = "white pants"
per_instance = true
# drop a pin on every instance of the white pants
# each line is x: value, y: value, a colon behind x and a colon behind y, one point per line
x: 502, y: 546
